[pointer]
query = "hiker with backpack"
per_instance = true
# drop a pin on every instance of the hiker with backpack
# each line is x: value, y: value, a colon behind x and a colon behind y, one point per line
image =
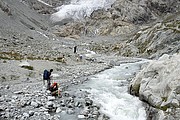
x: 47, y: 76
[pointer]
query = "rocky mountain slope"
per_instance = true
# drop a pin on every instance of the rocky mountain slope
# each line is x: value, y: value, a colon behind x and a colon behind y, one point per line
x: 140, y: 23
x: 152, y: 27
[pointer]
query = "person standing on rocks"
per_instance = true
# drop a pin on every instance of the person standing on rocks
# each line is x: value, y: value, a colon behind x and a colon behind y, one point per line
x: 47, y: 76
x: 75, y: 49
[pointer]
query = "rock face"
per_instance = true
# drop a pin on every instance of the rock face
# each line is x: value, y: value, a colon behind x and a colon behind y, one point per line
x: 152, y: 42
x: 158, y: 84
x: 152, y: 27
x: 124, y: 16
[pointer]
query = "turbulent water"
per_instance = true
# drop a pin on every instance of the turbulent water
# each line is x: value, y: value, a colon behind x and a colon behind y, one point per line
x: 78, y: 9
x: 109, y: 89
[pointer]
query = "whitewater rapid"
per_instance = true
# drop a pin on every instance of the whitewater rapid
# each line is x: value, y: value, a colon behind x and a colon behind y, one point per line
x: 79, y: 9
x: 109, y: 89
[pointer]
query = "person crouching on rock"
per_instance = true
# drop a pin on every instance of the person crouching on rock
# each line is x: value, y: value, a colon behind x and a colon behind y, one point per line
x: 54, y: 89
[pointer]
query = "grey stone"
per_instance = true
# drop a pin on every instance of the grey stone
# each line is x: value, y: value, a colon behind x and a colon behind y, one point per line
x: 175, y: 103
x: 70, y: 111
x: 81, y: 117
x: 31, y: 113
x: 14, y: 97
x: 49, y: 104
x: 43, y: 109
x: 18, y: 92
x: 2, y: 99
x: 58, y: 110
x: 2, y: 107
x: 26, y: 115
x: 56, y: 117
x: 70, y: 105
x: 34, y: 104
x: 88, y: 102
x: 96, y: 113
x: 51, y: 98
x: 7, y: 86
x: 76, y: 104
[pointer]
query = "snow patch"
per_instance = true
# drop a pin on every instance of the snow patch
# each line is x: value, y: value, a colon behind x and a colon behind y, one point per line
x: 79, y: 9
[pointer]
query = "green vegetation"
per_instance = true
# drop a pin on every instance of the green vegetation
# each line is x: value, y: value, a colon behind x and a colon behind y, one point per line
x: 10, y: 56
x: 164, y: 99
x: 18, y: 56
x: 164, y: 108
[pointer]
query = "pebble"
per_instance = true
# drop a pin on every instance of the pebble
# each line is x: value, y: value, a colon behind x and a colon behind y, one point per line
x: 14, y: 97
x: 2, y: 99
x: 58, y: 110
x: 49, y: 104
x: 56, y: 117
x: 26, y: 115
x: 70, y: 111
x: 51, y: 98
x: 31, y: 113
x: 70, y: 105
x: 7, y: 86
x: 34, y: 104
x: 81, y: 117
x: 77, y: 103
x: 18, y: 92
x: 2, y: 107
x: 88, y: 102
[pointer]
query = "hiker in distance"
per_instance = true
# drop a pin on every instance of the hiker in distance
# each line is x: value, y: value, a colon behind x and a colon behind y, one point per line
x: 75, y: 49
x: 47, y: 76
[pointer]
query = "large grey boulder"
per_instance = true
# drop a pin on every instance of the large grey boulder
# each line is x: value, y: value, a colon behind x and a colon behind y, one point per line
x: 158, y: 83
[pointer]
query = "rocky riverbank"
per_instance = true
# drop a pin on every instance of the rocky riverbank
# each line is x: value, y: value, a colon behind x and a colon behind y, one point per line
x: 23, y: 95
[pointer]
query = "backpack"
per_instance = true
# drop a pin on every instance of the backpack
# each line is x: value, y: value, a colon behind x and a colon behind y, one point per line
x: 46, y: 75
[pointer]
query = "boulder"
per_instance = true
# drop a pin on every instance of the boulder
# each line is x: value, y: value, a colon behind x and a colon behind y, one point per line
x: 158, y: 83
